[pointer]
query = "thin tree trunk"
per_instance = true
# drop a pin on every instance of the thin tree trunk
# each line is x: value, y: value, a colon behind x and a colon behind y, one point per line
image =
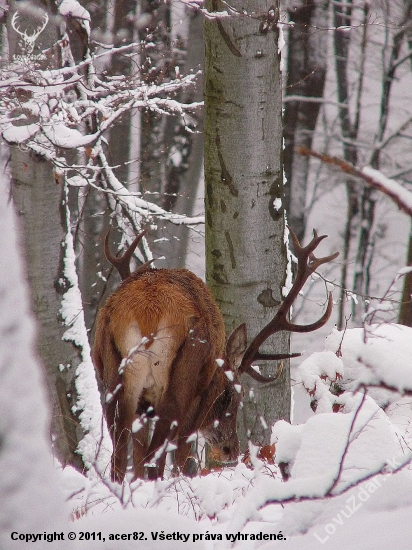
x: 306, y: 72
x: 342, y: 17
x: 94, y: 280
x: 245, y: 246
x: 184, y: 173
x: 88, y: 208
x: 405, y: 314
x: 368, y: 200
x: 123, y: 33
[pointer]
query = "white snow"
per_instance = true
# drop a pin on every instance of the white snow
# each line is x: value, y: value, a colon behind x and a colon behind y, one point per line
x: 384, y: 358
x: 358, y: 458
x: 73, y: 8
x: 399, y: 194
x: 350, y: 482
x: 29, y: 495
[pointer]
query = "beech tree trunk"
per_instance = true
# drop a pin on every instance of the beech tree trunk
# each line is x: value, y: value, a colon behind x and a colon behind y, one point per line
x: 245, y: 225
x: 29, y: 481
x: 39, y: 203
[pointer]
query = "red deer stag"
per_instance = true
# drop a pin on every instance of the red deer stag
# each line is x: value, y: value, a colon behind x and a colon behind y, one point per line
x: 160, y: 351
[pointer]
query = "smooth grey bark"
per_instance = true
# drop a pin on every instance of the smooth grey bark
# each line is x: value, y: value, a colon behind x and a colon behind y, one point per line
x: 39, y: 203
x: 155, y: 65
x: 94, y: 275
x: 120, y: 146
x: 245, y: 249
x: 29, y: 488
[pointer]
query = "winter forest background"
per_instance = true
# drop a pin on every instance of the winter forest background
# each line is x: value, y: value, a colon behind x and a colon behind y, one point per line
x: 103, y: 126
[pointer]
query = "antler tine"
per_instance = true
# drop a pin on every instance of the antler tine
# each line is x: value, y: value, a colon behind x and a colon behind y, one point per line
x: 307, y: 264
x: 122, y: 263
x: 305, y: 253
x: 265, y: 379
x: 292, y: 327
x: 310, y: 247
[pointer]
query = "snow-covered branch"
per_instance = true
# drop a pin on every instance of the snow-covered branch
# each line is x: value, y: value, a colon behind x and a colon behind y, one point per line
x: 49, y: 113
x: 138, y: 205
x: 400, y: 196
x: 53, y: 111
x: 268, y: 491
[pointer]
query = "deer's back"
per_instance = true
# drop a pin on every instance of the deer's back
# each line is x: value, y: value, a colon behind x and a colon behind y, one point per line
x: 158, y: 303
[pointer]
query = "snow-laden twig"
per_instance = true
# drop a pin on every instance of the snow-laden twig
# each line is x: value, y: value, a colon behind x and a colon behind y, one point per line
x: 58, y: 120
x: 45, y: 117
x: 268, y: 491
x: 138, y: 205
x: 400, y: 196
x: 319, y: 100
x: 337, y: 477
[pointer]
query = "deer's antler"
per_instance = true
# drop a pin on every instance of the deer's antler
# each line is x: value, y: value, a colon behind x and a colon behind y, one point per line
x: 122, y: 263
x: 307, y: 264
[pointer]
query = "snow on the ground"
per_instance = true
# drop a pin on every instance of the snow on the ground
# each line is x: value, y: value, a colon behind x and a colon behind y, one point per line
x: 376, y: 355
x: 146, y: 529
x: 350, y: 485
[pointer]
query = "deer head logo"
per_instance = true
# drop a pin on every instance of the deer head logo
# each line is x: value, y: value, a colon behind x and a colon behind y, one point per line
x: 29, y: 38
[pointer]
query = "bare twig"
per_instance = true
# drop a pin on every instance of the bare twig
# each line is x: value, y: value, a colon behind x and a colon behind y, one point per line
x: 336, y: 480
